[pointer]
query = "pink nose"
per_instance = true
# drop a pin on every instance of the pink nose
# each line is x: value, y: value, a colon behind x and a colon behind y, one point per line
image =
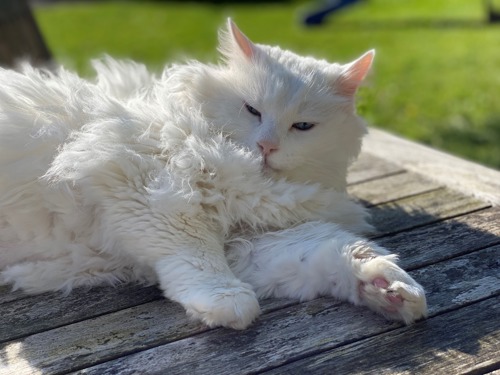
x: 266, y: 147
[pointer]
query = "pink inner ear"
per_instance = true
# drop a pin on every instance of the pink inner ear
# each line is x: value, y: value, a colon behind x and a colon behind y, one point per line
x: 352, y: 76
x: 246, y: 46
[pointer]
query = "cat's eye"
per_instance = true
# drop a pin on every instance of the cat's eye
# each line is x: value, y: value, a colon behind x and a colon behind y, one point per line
x: 303, y: 126
x: 252, y: 110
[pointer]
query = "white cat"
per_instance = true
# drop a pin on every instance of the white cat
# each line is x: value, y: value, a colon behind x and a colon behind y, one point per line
x: 221, y: 183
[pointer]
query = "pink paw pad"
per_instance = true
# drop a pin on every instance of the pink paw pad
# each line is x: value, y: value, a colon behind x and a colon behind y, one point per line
x: 380, y: 283
x: 392, y: 297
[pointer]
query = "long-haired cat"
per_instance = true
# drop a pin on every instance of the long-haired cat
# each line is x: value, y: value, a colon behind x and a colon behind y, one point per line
x: 221, y: 183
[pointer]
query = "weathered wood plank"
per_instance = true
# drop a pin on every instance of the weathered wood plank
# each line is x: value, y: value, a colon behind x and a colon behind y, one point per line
x: 7, y: 295
x: 223, y: 351
x: 422, y: 209
x: 461, y: 280
x: 439, y: 345
x: 123, y: 332
x: 293, y: 332
x: 468, y: 177
x: 369, y: 167
x: 46, y: 311
x: 391, y: 188
x: 449, y: 238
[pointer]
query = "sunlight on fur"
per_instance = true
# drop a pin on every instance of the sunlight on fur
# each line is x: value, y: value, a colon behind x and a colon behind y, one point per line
x: 221, y: 183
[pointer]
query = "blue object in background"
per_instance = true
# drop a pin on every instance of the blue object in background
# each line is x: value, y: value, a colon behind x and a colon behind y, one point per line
x: 317, y: 17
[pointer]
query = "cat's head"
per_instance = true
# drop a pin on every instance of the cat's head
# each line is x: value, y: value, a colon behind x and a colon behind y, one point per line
x: 297, y: 112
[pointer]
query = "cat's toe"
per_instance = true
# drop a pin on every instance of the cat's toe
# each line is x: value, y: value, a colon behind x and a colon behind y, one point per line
x: 234, y: 308
x: 390, y: 291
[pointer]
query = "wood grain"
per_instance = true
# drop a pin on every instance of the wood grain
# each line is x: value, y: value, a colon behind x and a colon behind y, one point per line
x: 391, y: 188
x: 442, y: 345
x: 369, y: 167
x: 446, y: 239
x: 119, y: 333
x: 422, y: 209
x: 7, y: 295
x: 303, y: 329
x: 46, y: 311
x: 467, y: 177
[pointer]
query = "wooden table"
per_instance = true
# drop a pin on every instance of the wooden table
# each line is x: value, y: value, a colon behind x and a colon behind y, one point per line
x: 439, y: 213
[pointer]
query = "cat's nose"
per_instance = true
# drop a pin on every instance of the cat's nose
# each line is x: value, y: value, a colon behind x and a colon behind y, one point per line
x: 266, y: 147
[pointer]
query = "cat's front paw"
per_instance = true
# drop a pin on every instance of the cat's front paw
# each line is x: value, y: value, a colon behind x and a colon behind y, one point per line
x: 390, y: 291
x: 235, y: 307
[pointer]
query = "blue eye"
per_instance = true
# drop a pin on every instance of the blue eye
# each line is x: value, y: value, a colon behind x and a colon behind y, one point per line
x: 303, y: 126
x: 252, y: 110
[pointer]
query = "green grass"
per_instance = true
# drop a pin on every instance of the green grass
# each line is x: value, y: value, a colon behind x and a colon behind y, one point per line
x: 436, y: 78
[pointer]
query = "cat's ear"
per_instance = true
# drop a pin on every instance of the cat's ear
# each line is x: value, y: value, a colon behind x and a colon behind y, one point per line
x: 233, y: 40
x: 353, y: 74
x: 245, y: 45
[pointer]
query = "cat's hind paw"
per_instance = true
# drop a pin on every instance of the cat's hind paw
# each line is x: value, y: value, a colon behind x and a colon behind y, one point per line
x: 390, y: 291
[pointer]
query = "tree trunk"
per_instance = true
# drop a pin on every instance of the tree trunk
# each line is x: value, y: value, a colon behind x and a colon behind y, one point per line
x: 20, y: 38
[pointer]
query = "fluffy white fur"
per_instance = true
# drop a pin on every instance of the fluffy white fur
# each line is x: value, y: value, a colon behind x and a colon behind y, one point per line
x: 172, y: 180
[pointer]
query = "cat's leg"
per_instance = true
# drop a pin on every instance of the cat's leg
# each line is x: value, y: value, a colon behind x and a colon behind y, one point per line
x: 188, y: 257
x: 207, y: 289
x: 320, y: 259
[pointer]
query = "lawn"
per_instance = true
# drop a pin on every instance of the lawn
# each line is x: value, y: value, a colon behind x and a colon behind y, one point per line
x: 436, y: 78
